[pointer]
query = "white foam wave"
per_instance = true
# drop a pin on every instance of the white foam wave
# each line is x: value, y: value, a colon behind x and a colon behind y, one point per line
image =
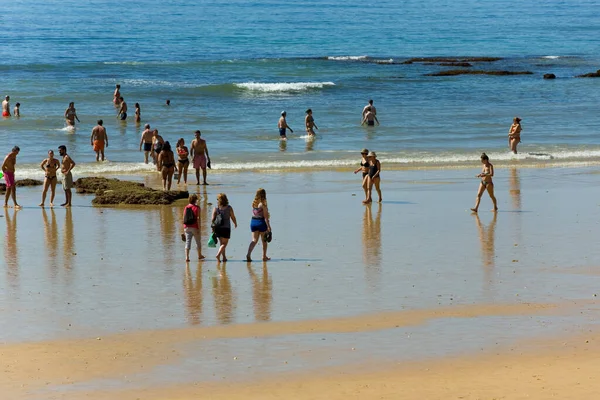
x: 347, y: 58
x: 33, y: 171
x: 282, y: 86
x: 551, y: 57
x: 390, y: 61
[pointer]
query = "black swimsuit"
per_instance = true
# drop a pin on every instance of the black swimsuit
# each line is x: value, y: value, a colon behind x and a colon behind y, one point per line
x: 373, y: 169
x: 364, y: 165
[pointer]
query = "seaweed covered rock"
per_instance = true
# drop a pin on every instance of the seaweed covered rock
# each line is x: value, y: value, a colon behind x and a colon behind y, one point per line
x: 590, y: 75
x: 22, y: 182
x: 448, y: 60
x: 454, y: 72
x: 455, y: 64
x: 549, y: 76
x: 115, y: 191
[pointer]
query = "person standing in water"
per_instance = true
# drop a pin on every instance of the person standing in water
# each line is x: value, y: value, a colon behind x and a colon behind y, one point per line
x: 17, y: 110
x: 50, y: 165
x: 514, y: 134
x: 200, y: 157
x: 309, y: 122
x: 260, y: 225
x: 138, y: 113
x: 6, y: 107
x: 487, y: 172
x: 71, y: 115
x: 157, y: 145
x: 117, y: 96
x: 99, y: 139
x: 166, y: 165
x: 67, y: 182
x: 183, y: 160
x: 8, y: 169
x: 223, y: 231
x: 282, y: 125
x: 370, y: 118
x: 122, y: 110
x: 366, y: 108
x: 146, y: 141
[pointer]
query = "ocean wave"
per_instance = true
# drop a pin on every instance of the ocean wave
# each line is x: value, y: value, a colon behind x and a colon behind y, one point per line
x: 551, y: 57
x: 282, y: 86
x: 347, y: 58
x: 88, y: 169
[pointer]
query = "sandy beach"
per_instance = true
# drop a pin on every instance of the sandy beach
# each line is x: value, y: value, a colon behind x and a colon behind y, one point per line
x: 412, y: 298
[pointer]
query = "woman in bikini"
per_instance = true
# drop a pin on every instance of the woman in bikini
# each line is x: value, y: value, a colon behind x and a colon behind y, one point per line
x: 373, y: 177
x: 183, y: 161
x: 71, y: 114
x: 138, y: 113
x: 487, y: 172
x: 260, y: 225
x: 514, y: 134
x: 157, y: 145
x: 309, y: 122
x: 50, y: 165
x: 166, y: 164
x: 364, y: 167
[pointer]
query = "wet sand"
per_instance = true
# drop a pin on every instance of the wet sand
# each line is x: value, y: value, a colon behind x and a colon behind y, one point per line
x: 416, y: 279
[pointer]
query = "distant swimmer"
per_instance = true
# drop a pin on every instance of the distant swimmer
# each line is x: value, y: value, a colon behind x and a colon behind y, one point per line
x: 71, y: 114
x: 8, y: 169
x: 138, y: 113
x: 157, y: 145
x: 373, y: 177
x: 282, y: 125
x: 122, y: 110
x: 200, y: 157
x: 487, y: 172
x: 99, y: 140
x: 50, y: 165
x: 6, y: 107
x: 514, y: 134
x: 183, y: 160
x: 370, y: 118
x: 67, y: 182
x: 146, y: 142
x: 309, y: 122
x: 373, y: 109
x: 17, y: 110
x: 117, y: 95
x: 168, y: 103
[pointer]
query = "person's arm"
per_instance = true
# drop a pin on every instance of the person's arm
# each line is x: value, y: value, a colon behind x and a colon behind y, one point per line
x: 159, y: 161
x: 92, y: 137
x: 192, y: 146
x: 71, y: 165
x: 4, y: 167
x: 232, y: 215
x: 375, y: 116
x: 363, y: 120
x: 491, y: 170
x: 288, y: 127
x: 106, y: 137
x: 42, y: 164
x: 66, y: 111
x: 378, y: 169
x: 141, y: 141
x: 315, y: 125
x: 77, y: 118
x: 214, y: 215
x: 267, y: 217
x: 306, y: 124
x: 206, y: 151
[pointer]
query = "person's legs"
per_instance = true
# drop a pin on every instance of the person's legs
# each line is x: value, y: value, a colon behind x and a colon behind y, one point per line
x: 252, y: 245
x: 223, y: 244
x: 170, y: 173
x: 69, y: 195
x: 164, y: 177
x: 377, y: 182
x: 146, y: 157
x: 265, y: 244
x: 44, y: 191
x: 7, y: 196
x: 52, y: 191
x: 197, y: 176
x: 197, y: 238
x: 365, y: 186
x: 490, y: 189
x: 185, y: 172
x: 14, y: 197
x: 188, y: 243
x: 204, y: 176
x: 180, y: 166
x: 369, y: 190
x: 102, y: 154
x: 479, y: 194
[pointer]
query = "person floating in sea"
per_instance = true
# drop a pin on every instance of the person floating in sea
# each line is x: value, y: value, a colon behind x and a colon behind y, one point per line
x: 138, y: 113
x: 157, y: 145
x: 122, y: 110
x: 370, y: 118
x: 514, y: 134
x: 223, y: 230
x: 183, y: 160
x: 260, y: 225
x: 200, y: 157
x: 146, y: 141
x: 50, y: 165
x: 99, y: 140
x: 282, y: 125
x: 309, y: 122
x: 168, y: 102
x: 373, y: 177
x: 364, y: 167
x: 191, y: 227
x: 366, y: 108
x: 487, y: 172
x: 166, y: 165
x: 6, y: 107
x: 117, y: 96
x: 67, y: 182
x: 71, y: 115
x: 17, y: 110
x: 8, y: 169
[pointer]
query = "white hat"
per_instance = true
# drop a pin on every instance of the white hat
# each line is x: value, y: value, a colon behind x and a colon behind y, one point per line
x: 283, y: 113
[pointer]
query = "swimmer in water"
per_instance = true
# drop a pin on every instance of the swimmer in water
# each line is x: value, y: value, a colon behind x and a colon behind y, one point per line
x: 282, y: 125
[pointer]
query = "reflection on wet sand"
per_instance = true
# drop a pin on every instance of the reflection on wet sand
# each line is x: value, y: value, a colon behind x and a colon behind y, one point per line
x: 262, y: 293
x: 371, y: 240
x: 310, y: 143
x: 282, y: 145
x: 11, y: 251
x: 488, y: 250
x: 51, y: 240
x: 170, y: 226
x: 224, y: 298
x: 193, y: 295
x: 515, y: 188
x: 68, y: 240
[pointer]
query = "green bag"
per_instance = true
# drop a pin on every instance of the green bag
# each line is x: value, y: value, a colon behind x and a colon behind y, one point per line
x: 212, y: 241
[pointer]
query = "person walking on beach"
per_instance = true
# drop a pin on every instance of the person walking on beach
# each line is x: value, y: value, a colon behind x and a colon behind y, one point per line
x: 157, y: 145
x: 166, y: 165
x: 8, y: 169
x: 487, y: 172
x: 260, y: 225
x: 71, y: 115
x: 370, y: 118
x: 50, y: 165
x: 373, y: 177
x: 67, y: 182
x: 117, y: 96
x: 183, y: 160
x: 309, y: 122
x: 98, y: 140
x: 17, y: 110
x: 146, y: 141
x: 514, y: 134
x: 138, y: 113
x: 364, y: 167
x: 366, y: 108
x: 6, y: 107
x: 191, y: 227
x: 282, y: 125
x: 200, y: 157
x: 222, y: 225
x: 122, y: 109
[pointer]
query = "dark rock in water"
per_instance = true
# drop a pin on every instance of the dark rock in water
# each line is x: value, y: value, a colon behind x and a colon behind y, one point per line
x: 450, y: 59
x: 456, y: 64
x: 549, y: 76
x: 453, y: 72
x: 22, y: 182
x: 114, y: 191
x: 590, y: 75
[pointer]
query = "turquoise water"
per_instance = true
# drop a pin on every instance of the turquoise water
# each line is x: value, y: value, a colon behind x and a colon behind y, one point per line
x: 229, y: 69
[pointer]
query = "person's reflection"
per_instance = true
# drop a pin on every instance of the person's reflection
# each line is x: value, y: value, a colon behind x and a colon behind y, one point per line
x: 515, y: 188
x: 262, y: 296
x: 51, y: 240
x: 11, y: 250
x: 282, y: 145
x: 123, y: 127
x: 170, y: 225
x: 68, y: 240
x: 223, y: 296
x: 488, y: 249
x: 205, y: 231
x: 310, y: 144
x: 371, y: 241
x: 193, y: 294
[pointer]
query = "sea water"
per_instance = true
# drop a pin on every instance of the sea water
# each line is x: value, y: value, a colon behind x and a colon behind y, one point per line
x: 230, y: 68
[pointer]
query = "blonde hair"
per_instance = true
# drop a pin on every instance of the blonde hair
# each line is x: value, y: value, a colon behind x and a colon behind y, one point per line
x: 260, y: 198
x: 193, y: 199
x: 222, y: 200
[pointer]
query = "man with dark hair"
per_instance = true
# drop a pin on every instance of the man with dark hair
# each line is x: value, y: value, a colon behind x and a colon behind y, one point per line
x: 146, y: 141
x: 200, y: 157
x: 122, y: 110
x: 67, y: 165
x: 366, y: 109
x: 8, y: 169
x: 99, y: 139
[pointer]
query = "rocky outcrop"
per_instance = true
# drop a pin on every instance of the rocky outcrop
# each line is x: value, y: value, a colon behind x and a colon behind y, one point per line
x: 115, y: 191
x: 590, y: 75
x: 22, y: 182
x: 549, y: 76
x: 456, y: 64
x: 453, y: 72
x: 450, y: 60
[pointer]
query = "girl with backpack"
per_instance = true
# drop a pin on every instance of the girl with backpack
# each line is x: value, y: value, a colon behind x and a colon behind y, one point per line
x: 221, y: 222
x: 191, y: 227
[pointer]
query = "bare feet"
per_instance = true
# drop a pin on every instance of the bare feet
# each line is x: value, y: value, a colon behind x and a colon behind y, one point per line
x: 266, y: 258
x: 474, y: 210
x: 380, y: 200
x: 248, y: 259
x: 218, y: 259
x: 224, y: 259
x: 41, y: 204
x: 204, y: 183
x: 17, y: 207
x: 495, y: 209
x: 51, y: 204
x: 201, y: 257
x: 187, y: 260
x: 6, y: 206
x: 63, y: 204
x: 367, y: 201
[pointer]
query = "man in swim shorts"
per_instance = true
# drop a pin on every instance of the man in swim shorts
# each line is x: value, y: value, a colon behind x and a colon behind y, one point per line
x: 6, y: 107
x: 199, y: 153
x: 122, y: 110
x: 146, y: 141
x: 8, y: 169
x: 67, y: 165
x: 366, y: 109
x: 282, y: 125
x: 99, y: 139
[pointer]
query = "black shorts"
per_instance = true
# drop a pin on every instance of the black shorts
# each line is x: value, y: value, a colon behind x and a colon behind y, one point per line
x: 371, y: 123
x: 147, y: 146
x: 123, y: 116
x: 224, y: 233
x: 282, y: 131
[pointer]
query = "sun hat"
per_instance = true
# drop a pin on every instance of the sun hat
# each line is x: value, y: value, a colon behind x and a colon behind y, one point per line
x: 372, y: 154
x: 364, y: 151
x: 283, y: 112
